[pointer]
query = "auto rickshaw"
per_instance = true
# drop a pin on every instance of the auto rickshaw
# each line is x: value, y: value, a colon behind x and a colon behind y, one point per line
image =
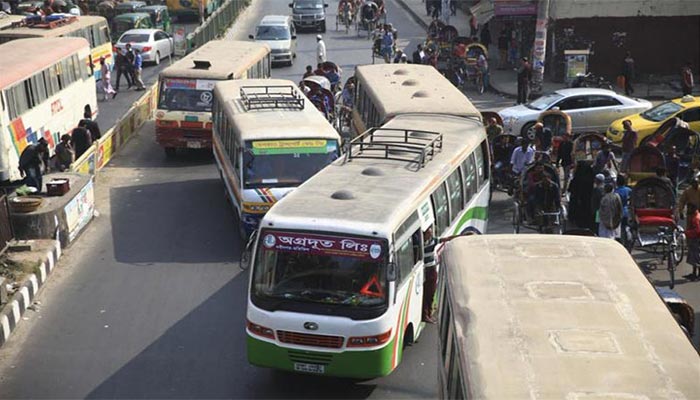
x: 128, y: 7
x: 160, y: 16
x: 124, y: 22
x: 643, y: 163
x: 107, y: 9
x: 559, y: 123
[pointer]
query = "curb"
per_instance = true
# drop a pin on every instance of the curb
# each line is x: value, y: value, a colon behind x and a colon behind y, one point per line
x: 12, y: 312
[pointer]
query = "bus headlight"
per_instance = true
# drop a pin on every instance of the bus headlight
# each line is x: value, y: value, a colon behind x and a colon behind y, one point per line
x: 369, y: 341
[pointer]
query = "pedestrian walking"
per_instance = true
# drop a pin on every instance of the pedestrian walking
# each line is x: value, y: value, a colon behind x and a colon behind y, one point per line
x: 629, y: 142
x: 565, y: 158
x: 524, y: 78
x: 581, y: 189
x: 692, y: 236
x: 673, y: 165
x: 624, y: 192
x: 64, y: 154
x: 473, y: 24
x: 418, y: 54
x: 610, y: 214
x: 387, y: 46
x: 130, y: 57
x: 33, y: 159
x: 687, y: 81
x: 453, y: 7
x: 106, y: 80
x: 483, y: 65
x: 138, y: 69
x: 436, y: 9
x: 690, y: 195
x: 121, y: 64
x: 80, y: 140
x: 629, y: 73
x: 503, y: 49
x: 596, y: 196
x: 320, y: 49
x: 446, y: 15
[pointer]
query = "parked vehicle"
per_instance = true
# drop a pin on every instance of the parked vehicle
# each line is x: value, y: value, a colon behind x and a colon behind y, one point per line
x: 160, y: 16
x: 278, y: 32
x: 591, y: 110
x: 687, y: 108
x: 309, y: 14
x: 125, y: 22
x: 128, y: 7
x: 590, y: 80
x: 153, y: 44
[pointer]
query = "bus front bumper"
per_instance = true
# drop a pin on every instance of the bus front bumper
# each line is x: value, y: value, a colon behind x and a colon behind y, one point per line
x: 348, y: 364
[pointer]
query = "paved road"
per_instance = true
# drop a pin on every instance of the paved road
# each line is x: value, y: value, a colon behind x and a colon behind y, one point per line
x: 112, y: 110
x: 150, y: 302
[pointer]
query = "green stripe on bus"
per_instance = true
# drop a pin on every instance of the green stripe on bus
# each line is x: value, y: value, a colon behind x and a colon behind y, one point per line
x: 349, y: 364
x: 480, y: 213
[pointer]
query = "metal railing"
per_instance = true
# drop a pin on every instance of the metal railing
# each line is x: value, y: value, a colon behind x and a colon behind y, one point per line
x: 217, y: 23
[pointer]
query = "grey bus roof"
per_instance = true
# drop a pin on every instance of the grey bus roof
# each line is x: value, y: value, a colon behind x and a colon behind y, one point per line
x: 563, y: 317
x: 229, y: 60
x: 407, y: 88
x: 271, y: 124
x: 366, y: 195
x: 83, y: 21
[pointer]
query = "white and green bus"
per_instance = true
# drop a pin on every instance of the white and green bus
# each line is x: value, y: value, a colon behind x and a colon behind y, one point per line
x: 268, y: 138
x: 383, y: 91
x: 337, y: 283
x: 556, y: 317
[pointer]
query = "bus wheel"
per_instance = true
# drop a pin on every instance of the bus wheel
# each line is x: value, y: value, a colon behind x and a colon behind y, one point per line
x: 170, y: 152
x: 408, y: 336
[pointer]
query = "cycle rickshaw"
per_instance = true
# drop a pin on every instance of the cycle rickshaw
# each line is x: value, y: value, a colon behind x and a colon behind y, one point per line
x: 652, y: 225
x: 473, y: 74
x: 377, y: 37
x: 333, y: 73
x: 502, y: 147
x: 587, y: 146
x: 368, y: 19
x: 559, y: 123
x: 537, y: 200
x: 643, y: 163
x: 676, y: 135
x: 320, y: 95
x: 346, y: 15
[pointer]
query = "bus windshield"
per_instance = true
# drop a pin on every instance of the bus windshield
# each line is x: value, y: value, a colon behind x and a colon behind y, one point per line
x: 285, y: 163
x: 310, y: 268
x: 178, y: 94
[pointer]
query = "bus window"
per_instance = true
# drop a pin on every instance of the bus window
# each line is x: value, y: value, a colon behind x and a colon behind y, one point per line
x: 406, y: 259
x: 442, y: 217
x: 481, y: 164
x: 454, y: 185
x: 469, y: 171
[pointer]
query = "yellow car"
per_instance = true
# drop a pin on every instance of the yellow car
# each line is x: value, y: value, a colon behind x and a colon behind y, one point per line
x: 686, y: 108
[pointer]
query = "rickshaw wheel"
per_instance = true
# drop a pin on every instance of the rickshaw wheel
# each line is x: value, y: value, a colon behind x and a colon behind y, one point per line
x: 678, y: 255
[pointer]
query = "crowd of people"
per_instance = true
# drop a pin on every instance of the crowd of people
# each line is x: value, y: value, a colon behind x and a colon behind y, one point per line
x: 34, y: 161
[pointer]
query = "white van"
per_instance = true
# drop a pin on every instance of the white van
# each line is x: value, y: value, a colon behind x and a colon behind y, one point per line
x: 278, y: 32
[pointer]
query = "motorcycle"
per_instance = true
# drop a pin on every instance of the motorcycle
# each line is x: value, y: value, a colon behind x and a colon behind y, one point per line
x: 590, y: 80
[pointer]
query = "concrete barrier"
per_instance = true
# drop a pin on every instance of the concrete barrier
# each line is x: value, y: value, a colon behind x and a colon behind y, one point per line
x: 217, y: 23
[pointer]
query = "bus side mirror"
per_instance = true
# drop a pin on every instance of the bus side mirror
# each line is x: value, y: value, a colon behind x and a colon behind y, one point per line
x: 247, y: 252
x: 391, y: 272
x: 325, y: 6
x: 291, y: 5
x: 294, y: 37
x: 251, y: 37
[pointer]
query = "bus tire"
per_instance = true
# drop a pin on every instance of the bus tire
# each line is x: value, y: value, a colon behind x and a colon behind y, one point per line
x: 170, y: 152
x: 408, y: 339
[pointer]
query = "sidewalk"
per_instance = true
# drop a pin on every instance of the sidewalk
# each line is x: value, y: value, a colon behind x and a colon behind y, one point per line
x: 504, y: 81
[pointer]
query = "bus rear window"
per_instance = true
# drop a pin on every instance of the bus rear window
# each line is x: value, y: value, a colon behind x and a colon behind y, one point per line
x: 186, y: 94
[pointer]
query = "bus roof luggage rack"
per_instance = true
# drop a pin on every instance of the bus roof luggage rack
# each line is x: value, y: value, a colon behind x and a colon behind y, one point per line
x: 271, y: 97
x: 48, y: 22
x: 396, y: 144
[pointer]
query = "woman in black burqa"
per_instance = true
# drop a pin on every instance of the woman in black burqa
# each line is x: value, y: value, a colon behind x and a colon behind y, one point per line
x: 581, y: 189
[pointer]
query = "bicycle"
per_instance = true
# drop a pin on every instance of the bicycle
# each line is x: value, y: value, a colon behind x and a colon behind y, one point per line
x: 672, y: 241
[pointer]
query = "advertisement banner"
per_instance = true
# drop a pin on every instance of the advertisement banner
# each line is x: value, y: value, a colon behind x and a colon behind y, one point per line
x: 80, y: 210
x: 105, y: 151
x: 514, y: 8
x: 324, y: 245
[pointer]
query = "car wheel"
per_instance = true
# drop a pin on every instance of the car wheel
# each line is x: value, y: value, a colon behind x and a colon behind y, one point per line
x: 526, y: 128
x: 157, y: 59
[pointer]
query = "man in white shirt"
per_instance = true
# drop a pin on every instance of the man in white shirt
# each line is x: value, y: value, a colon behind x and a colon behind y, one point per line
x: 521, y: 157
x: 320, y: 49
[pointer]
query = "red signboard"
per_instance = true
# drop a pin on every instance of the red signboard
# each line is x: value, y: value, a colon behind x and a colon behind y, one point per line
x: 513, y: 7
x: 322, y: 245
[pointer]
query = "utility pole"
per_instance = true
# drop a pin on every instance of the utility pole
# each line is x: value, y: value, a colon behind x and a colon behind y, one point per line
x: 540, y: 45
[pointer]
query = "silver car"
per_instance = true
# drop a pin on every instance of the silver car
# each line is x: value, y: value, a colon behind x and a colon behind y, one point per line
x: 591, y: 110
x: 153, y: 44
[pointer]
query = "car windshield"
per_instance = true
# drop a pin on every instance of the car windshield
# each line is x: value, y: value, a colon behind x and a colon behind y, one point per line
x: 661, y: 112
x: 186, y: 94
x: 308, y: 4
x: 310, y: 268
x: 269, y: 32
x: 543, y: 102
x: 129, y: 37
x: 285, y: 163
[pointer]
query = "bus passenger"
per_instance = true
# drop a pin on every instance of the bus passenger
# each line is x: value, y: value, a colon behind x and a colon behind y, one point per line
x: 430, y: 275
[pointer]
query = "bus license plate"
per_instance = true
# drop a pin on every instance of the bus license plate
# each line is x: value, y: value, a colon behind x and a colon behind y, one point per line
x: 313, y: 368
x: 194, y: 145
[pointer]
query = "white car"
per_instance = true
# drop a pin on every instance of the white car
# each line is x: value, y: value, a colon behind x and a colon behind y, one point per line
x: 278, y: 32
x: 591, y: 110
x: 153, y: 44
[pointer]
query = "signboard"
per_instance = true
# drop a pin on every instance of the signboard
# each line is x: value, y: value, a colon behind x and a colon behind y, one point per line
x: 308, y: 146
x: 104, y: 151
x: 576, y: 63
x: 79, y: 211
x: 180, y: 41
x: 323, y: 245
x: 512, y: 8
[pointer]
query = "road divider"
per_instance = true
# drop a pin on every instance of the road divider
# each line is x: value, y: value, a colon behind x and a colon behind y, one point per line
x: 217, y: 23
